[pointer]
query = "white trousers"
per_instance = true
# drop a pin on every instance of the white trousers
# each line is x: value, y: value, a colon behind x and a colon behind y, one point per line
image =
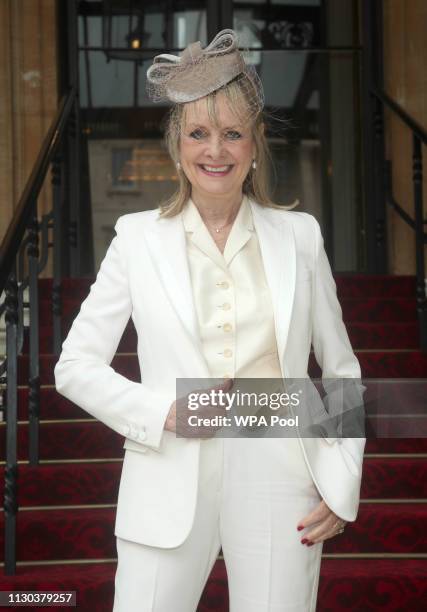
x: 252, y: 494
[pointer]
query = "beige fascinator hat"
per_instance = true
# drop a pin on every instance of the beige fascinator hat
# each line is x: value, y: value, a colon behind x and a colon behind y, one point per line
x: 197, y: 72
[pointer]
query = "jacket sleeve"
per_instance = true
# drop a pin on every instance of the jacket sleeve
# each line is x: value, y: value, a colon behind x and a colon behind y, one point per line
x: 331, y: 343
x: 335, y: 356
x: 83, y: 373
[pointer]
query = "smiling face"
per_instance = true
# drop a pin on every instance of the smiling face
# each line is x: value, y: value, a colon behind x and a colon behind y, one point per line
x: 215, y: 158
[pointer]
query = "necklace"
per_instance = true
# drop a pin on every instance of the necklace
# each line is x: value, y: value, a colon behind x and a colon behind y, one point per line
x: 219, y: 229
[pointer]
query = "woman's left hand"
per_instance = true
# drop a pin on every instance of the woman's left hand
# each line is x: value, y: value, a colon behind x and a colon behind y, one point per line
x: 328, y: 524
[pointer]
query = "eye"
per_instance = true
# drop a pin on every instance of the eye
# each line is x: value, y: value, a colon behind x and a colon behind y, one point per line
x: 196, y: 134
x: 233, y: 135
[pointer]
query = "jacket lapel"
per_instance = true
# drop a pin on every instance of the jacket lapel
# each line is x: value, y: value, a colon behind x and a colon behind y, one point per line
x: 277, y: 245
x: 167, y: 246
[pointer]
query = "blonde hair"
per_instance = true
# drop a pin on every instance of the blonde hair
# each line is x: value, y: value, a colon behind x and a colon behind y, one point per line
x: 257, y: 182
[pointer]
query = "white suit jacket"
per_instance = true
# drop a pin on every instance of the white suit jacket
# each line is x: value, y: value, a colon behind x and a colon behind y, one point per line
x: 145, y: 275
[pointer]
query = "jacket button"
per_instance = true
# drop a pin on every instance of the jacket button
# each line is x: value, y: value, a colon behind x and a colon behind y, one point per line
x: 142, y: 435
x: 224, y: 285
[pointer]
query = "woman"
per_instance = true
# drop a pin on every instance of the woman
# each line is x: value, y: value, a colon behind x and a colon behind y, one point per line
x: 223, y: 284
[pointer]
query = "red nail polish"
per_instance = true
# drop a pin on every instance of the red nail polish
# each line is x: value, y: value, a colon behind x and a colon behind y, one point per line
x: 304, y: 541
x: 300, y: 527
x: 310, y: 544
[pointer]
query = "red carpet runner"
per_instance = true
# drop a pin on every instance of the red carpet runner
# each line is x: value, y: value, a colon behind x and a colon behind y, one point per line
x: 67, y: 504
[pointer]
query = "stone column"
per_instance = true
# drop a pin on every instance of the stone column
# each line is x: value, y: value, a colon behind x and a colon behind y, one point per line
x: 405, y: 80
x: 28, y: 96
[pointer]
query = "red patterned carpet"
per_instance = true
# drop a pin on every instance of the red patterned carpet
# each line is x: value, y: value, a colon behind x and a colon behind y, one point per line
x: 67, y: 503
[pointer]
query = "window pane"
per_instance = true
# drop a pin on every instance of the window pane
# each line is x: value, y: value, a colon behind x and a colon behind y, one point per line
x: 93, y: 32
x: 307, y: 23
x: 188, y: 27
x: 122, y: 169
x: 111, y: 83
x: 282, y: 27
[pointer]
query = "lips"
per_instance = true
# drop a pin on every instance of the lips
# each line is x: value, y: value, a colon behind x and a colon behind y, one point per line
x: 215, y: 170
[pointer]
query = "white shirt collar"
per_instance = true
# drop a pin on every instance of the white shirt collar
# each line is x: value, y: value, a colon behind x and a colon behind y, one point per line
x: 240, y: 233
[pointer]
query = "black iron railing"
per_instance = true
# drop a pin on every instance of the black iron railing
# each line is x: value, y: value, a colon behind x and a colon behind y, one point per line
x: 384, y: 185
x: 23, y: 256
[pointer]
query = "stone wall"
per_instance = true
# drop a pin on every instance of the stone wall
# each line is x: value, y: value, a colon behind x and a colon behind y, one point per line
x: 28, y: 96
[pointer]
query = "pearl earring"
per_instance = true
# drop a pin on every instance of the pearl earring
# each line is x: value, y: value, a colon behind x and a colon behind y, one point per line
x: 254, y: 164
x: 178, y: 166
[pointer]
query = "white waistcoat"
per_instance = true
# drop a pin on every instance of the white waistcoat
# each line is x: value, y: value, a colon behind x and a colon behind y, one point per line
x: 232, y: 298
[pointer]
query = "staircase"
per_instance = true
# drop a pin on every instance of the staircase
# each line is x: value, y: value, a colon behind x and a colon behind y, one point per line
x: 65, y: 537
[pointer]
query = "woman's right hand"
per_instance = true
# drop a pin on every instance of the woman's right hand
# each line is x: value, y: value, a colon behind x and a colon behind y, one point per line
x: 177, y: 419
